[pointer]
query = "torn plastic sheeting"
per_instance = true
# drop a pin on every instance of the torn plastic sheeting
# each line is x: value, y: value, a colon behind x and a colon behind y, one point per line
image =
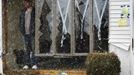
x: 64, y: 29
x: 83, y: 15
x: 100, y: 16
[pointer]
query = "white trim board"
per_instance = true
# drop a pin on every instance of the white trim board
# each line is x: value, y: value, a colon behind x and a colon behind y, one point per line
x: 1, y: 64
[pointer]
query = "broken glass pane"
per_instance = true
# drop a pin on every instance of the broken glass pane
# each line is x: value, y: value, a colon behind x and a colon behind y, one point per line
x: 63, y: 36
x: 82, y: 25
x: 45, y: 40
x: 100, y: 22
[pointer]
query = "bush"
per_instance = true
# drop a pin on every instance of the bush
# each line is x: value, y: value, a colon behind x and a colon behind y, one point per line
x: 103, y: 64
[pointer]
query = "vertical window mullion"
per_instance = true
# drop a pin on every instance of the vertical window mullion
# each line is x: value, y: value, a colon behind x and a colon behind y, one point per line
x: 54, y: 32
x: 72, y: 41
x: 91, y: 38
x: 37, y: 25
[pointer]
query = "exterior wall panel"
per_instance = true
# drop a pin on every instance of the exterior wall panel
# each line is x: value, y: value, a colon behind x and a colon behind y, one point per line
x: 118, y: 36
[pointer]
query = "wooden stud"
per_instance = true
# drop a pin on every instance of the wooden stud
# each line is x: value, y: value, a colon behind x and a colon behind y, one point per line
x: 72, y: 41
x: 54, y: 26
x: 91, y: 38
x: 37, y: 26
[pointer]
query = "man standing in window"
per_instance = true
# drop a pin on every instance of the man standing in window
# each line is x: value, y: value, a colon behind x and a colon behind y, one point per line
x: 27, y: 28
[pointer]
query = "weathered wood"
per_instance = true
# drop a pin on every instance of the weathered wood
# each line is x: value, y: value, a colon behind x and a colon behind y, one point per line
x: 91, y: 42
x: 5, y: 32
x: 46, y: 72
x: 38, y: 7
x: 72, y: 27
x: 58, y: 72
x: 56, y: 25
x: 54, y: 32
x: 5, y: 26
x: 63, y: 55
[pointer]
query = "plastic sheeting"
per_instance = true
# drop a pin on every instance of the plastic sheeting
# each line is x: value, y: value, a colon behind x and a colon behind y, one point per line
x: 63, y: 37
x: 46, y: 27
x: 82, y: 25
x: 99, y: 9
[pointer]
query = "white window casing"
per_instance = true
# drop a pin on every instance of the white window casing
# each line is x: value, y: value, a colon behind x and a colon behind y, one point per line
x: 1, y: 64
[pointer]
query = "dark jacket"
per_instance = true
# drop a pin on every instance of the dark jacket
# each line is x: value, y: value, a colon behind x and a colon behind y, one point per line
x: 22, y: 22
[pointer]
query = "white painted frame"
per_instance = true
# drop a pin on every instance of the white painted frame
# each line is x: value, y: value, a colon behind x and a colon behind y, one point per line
x: 1, y: 48
x: 132, y: 36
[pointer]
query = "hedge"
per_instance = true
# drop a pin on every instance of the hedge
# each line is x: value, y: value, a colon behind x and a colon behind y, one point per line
x: 103, y: 64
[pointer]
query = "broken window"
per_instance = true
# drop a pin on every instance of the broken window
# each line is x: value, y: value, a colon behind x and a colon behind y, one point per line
x: 45, y: 40
x: 82, y: 25
x: 63, y: 36
x: 100, y: 24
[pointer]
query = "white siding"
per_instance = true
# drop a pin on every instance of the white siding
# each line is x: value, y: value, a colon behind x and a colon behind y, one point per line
x: 118, y: 36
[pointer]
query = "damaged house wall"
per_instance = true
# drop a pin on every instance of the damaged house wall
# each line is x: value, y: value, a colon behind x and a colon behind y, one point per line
x: 49, y: 32
x: 14, y: 37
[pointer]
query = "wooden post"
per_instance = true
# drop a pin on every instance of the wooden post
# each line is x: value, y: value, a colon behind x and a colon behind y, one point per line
x: 54, y: 26
x: 71, y: 16
x: 5, y: 32
x: 38, y: 8
x: 91, y: 41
